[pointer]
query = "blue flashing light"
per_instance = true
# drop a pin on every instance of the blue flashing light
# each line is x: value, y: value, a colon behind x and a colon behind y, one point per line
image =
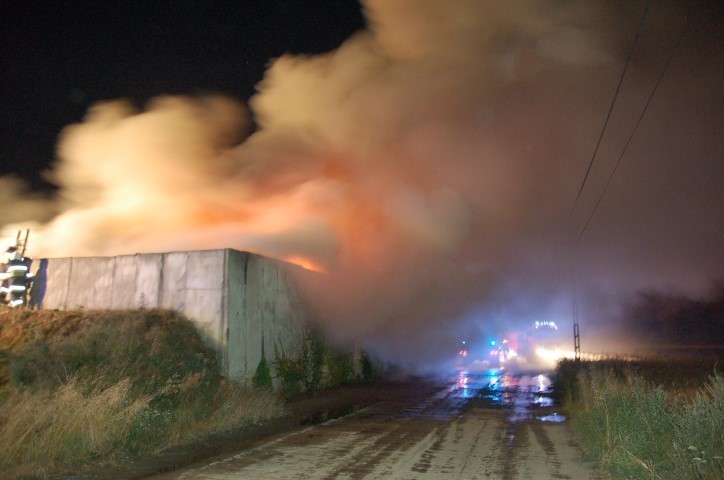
x: 492, y: 343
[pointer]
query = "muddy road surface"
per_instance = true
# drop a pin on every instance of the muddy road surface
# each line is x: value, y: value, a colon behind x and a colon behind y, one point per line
x: 487, y: 425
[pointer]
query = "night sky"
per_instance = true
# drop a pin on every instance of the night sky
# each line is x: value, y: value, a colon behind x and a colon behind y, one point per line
x: 57, y: 59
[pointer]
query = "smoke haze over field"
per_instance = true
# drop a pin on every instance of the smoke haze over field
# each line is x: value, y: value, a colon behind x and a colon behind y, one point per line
x: 428, y: 167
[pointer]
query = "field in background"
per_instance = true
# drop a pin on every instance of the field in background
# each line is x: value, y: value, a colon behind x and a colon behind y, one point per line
x: 87, y: 388
x: 647, y: 418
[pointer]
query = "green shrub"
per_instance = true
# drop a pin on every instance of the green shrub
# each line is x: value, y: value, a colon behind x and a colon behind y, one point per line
x: 368, y: 370
x: 262, y: 375
x: 291, y: 370
x: 316, y: 365
x: 340, y: 368
x: 313, y: 350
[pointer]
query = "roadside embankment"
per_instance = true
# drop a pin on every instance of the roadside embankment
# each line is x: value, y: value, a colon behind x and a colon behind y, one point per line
x: 82, y: 389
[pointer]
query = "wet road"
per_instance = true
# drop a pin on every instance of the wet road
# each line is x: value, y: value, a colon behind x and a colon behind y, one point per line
x: 488, y: 425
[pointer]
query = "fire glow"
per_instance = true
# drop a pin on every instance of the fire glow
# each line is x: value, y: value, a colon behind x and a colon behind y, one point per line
x: 305, y: 264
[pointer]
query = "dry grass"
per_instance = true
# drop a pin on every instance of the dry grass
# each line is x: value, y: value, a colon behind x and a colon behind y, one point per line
x: 45, y: 433
x: 83, y: 389
x: 231, y: 407
x: 42, y: 431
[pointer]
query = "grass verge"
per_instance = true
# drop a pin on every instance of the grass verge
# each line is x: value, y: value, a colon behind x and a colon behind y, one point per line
x: 639, y: 428
x: 81, y: 389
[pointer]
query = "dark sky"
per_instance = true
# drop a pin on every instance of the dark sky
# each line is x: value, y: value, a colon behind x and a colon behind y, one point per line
x: 58, y: 58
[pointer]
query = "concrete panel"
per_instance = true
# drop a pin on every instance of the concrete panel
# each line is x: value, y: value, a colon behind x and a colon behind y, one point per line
x: 124, y: 282
x: 173, y: 281
x: 205, y: 270
x: 204, y: 292
x: 269, y: 321
x: 36, y: 295
x: 205, y: 308
x: 57, y: 281
x: 256, y: 314
x: 148, y: 280
x: 91, y: 279
x: 234, y: 350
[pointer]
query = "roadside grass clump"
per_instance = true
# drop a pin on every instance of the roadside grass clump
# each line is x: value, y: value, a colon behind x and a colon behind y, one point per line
x: 292, y: 371
x: 629, y: 424
x: 224, y: 408
x: 636, y: 428
x: 340, y: 368
x: 313, y: 366
x: 43, y: 430
x: 109, y: 386
x: 699, y: 434
x: 262, y: 376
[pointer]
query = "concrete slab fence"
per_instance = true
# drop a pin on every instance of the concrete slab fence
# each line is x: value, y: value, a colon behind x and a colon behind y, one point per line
x: 238, y: 300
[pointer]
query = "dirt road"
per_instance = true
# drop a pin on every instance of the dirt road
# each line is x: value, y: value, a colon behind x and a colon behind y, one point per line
x: 479, y: 426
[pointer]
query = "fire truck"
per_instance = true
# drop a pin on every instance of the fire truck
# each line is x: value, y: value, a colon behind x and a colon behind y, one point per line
x: 527, y: 344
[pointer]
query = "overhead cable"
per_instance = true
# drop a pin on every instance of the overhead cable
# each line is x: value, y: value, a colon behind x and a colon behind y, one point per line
x: 576, y: 331
x: 613, y: 102
x: 633, y: 132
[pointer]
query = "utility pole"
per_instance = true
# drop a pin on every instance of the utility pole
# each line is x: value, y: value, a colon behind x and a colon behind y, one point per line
x: 576, y: 331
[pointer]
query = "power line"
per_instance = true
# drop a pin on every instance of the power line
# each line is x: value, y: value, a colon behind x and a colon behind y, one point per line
x: 576, y: 331
x: 613, y: 102
x: 576, y: 328
x: 633, y: 132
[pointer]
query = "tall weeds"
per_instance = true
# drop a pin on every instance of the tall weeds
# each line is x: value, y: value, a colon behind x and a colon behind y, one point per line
x: 699, y: 434
x: 638, y: 429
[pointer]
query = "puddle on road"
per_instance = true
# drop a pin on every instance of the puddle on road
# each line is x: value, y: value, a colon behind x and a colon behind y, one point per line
x: 553, y: 418
x: 520, y: 394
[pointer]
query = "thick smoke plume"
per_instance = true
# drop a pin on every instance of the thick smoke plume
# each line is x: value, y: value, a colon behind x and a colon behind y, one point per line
x: 426, y: 168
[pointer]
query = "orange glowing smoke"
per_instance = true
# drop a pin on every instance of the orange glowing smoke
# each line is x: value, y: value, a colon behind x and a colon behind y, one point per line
x: 305, y: 264
x: 425, y: 166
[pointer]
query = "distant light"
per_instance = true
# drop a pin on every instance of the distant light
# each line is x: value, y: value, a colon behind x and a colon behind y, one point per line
x: 553, y: 355
x: 492, y: 343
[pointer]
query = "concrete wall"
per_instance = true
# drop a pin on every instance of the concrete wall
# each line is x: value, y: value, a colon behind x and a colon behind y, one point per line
x: 242, y: 303
x: 263, y: 308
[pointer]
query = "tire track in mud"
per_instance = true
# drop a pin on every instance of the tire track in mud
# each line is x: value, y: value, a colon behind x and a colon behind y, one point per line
x: 553, y: 461
x: 447, y: 433
x: 387, y: 449
x: 514, y: 439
